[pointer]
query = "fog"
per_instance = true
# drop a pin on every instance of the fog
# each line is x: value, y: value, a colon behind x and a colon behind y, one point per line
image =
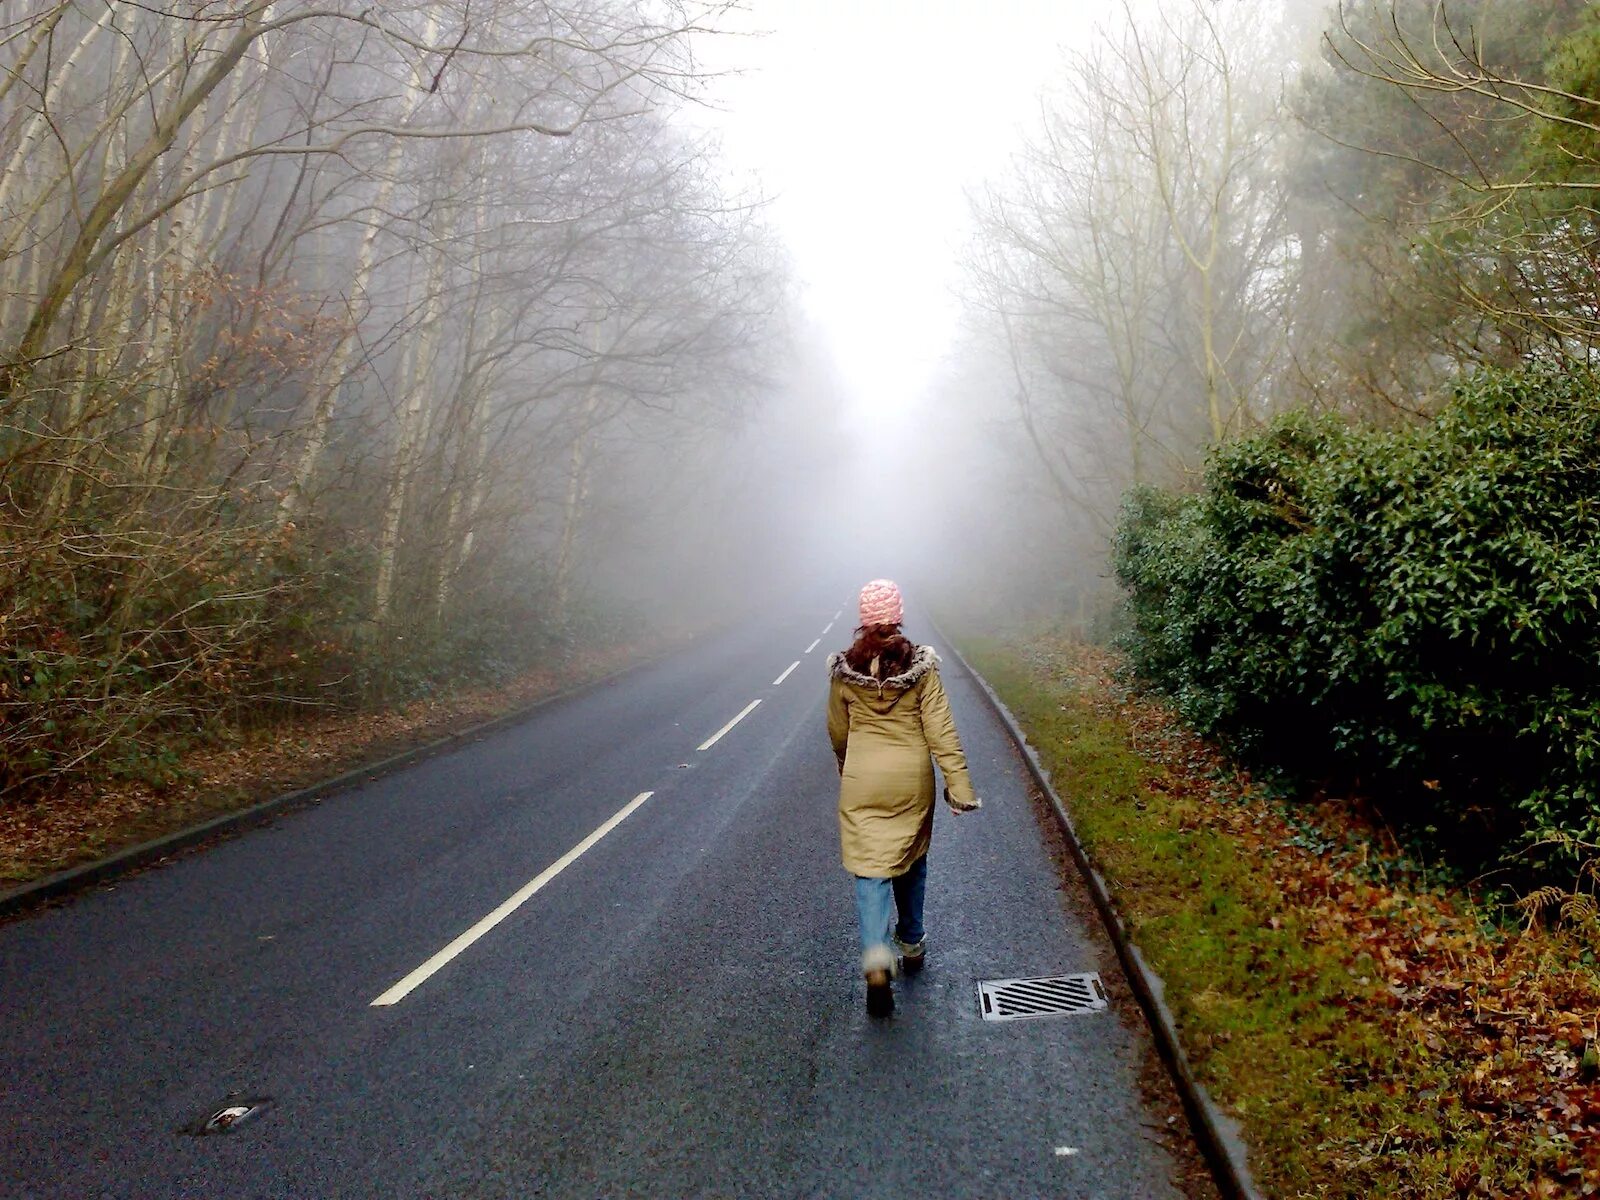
x: 892, y: 441
x: 457, y: 332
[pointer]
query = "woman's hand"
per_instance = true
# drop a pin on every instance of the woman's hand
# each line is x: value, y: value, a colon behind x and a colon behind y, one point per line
x: 958, y: 806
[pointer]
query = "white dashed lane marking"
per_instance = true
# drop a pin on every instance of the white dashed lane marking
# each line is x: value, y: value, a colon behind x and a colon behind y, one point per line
x: 786, y: 673
x: 719, y: 734
x: 410, y: 983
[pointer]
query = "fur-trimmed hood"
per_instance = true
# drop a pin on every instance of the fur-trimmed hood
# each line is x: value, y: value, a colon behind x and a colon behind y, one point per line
x: 923, y: 660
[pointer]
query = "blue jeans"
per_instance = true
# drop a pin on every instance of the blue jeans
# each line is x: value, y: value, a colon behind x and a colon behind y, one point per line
x: 878, y: 900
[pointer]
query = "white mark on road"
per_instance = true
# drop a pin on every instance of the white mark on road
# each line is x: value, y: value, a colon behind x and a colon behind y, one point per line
x: 825, y: 631
x: 1066, y: 1151
x: 787, y: 673
x: 410, y: 983
x: 813, y: 646
x: 719, y: 734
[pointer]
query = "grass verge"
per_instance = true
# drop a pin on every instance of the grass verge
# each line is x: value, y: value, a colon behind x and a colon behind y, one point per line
x: 1375, y: 1035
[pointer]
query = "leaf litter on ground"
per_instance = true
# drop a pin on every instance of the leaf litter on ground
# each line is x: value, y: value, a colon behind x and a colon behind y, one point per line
x: 94, y: 817
x: 1437, y: 1050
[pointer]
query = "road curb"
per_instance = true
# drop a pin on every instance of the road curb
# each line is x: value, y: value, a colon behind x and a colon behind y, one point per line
x: 1216, y: 1133
x: 75, y: 879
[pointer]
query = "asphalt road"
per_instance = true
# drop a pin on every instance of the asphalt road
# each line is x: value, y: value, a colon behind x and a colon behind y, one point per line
x: 677, y: 1012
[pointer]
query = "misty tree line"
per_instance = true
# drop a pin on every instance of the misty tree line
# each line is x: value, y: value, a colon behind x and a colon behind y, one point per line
x: 1298, y: 306
x: 318, y: 325
x: 1229, y: 210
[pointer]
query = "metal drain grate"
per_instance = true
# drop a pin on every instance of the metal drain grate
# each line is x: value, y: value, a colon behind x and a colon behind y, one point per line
x: 1052, y: 996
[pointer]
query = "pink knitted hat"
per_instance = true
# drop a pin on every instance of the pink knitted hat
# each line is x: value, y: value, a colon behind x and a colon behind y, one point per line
x: 881, y: 604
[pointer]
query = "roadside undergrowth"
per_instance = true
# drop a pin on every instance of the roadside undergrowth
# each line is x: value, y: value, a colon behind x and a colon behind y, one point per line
x: 1377, y: 1034
x: 95, y: 817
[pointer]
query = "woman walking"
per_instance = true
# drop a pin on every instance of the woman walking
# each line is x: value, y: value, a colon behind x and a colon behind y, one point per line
x: 887, y: 714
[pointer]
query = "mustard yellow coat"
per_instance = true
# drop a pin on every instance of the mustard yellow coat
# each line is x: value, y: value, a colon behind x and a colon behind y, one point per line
x: 884, y: 732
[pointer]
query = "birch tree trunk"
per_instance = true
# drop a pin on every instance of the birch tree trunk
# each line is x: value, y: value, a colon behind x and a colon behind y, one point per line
x: 70, y: 271
x: 325, y: 387
x: 19, y: 167
x: 417, y: 379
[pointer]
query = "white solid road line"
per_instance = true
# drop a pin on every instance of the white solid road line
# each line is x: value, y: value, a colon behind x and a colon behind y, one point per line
x: 787, y: 673
x: 813, y: 646
x: 409, y: 984
x: 718, y: 735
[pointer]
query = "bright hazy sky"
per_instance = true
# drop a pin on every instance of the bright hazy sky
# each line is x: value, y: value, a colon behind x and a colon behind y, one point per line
x: 867, y: 121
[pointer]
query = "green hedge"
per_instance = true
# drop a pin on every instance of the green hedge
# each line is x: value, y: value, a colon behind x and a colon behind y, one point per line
x: 1415, y: 613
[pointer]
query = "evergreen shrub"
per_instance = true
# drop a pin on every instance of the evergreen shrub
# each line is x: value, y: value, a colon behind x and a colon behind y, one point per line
x: 1415, y: 612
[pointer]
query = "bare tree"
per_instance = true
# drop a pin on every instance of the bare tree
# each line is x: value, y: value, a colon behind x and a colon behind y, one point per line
x: 1528, y: 206
x: 1137, y: 256
x: 325, y: 324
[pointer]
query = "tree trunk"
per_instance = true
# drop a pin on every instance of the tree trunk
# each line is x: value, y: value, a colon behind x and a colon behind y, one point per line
x: 70, y: 272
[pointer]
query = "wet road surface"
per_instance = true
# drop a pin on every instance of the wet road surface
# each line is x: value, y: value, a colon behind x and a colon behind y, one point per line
x: 611, y: 963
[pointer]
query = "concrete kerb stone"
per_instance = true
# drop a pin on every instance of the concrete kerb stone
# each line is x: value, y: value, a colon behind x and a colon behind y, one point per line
x: 1216, y: 1133
x: 75, y: 879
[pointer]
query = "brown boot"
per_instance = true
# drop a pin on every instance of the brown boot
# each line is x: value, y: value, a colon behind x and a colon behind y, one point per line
x: 880, y: 996
x: 912, y: 955
x: 877, y: 967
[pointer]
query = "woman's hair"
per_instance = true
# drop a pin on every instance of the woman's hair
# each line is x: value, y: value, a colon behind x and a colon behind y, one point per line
x: 886, y: 644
